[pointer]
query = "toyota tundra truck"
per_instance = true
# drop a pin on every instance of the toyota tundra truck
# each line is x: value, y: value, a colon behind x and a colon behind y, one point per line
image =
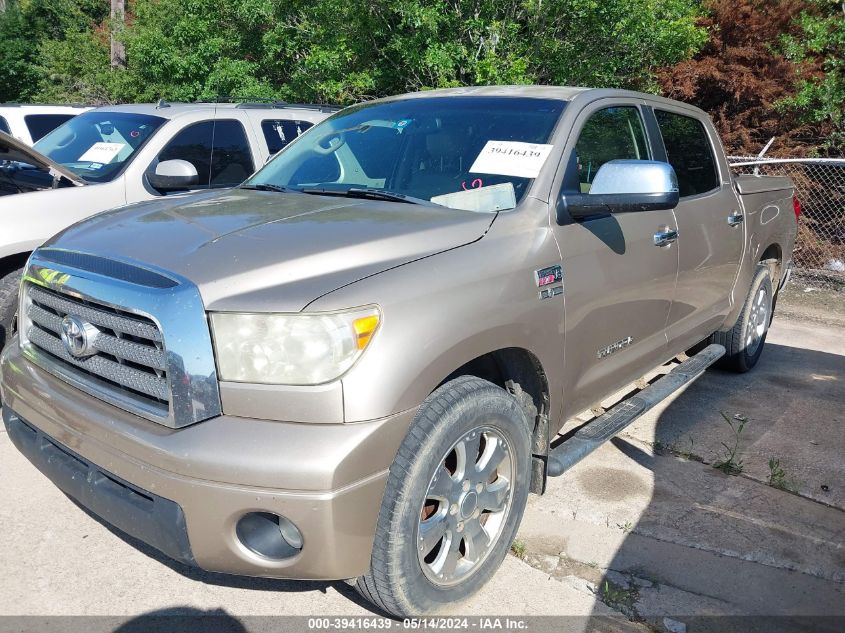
x: 356, y: 365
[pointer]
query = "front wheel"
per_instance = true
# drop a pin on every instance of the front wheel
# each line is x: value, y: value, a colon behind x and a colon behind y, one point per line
x: 9, y: 284
x: 454, y: 498
x: 745, y: 340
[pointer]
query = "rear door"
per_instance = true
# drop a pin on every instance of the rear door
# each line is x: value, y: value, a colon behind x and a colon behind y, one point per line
x: 710, y: 227
x: 618, y: 285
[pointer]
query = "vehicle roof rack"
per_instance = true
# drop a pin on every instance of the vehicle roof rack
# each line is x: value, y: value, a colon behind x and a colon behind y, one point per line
x: 320, y: 107
x: 264, y: 102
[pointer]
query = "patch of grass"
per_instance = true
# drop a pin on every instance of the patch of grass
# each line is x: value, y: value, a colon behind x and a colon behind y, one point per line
x: 729, y: 461
x: 617, y: 597
x: 518, y: 548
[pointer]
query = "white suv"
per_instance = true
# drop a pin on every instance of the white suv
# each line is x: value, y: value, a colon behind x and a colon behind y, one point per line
x: 29, y: 123
x: 117, y: 155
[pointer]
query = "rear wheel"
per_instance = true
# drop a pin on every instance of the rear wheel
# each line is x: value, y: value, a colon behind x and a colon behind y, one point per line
x: 454, y: 498
x: 745, y: 340
x: 9, y: 284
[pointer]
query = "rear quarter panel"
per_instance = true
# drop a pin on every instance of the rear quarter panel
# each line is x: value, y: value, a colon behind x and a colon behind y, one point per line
x: 769, y: 220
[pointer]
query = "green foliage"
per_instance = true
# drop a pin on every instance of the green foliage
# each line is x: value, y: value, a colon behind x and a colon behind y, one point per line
x: 25, y: 26
x: 819, y: 50
x: 338, y: 50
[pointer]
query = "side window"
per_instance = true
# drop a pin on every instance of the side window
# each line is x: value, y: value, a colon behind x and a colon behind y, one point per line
x: 192, y: 144
x: 280, y: 132
x: 41, y: 125
x: 231, y: 160
x: 609, y: 134
x: 4, y: 126
x: 690, y: 152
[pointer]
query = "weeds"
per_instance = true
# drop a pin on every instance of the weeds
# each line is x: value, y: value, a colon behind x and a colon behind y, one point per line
x: 617, y: 597
x: 778, y: 478
x: 625, y: 527
x: 729, y: 463
x: 518, y: 549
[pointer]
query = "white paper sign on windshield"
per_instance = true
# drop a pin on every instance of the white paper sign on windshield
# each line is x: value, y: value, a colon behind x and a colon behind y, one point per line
x: 102, y: 152
x: 511, y: 158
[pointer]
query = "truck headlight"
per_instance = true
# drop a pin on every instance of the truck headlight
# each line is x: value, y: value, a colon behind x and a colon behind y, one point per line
x: 291, y: 349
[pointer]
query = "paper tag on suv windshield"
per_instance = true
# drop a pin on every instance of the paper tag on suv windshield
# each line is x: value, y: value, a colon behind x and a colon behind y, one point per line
x: 102, y: 152
x: 510, y: 158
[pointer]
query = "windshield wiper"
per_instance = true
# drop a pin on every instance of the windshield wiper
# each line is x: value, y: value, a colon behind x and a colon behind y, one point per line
x: 371, y: 194
x: 266, y: 186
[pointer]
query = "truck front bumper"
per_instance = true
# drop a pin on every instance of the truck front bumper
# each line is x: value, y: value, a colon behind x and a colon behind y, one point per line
x: 184, y: 491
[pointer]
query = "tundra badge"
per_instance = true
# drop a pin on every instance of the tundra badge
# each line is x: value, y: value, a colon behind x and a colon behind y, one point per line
x: 615, y: 347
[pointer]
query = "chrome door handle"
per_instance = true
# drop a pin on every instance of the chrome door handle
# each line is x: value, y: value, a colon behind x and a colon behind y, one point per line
x: 665, y: 236
x: 736, y: 218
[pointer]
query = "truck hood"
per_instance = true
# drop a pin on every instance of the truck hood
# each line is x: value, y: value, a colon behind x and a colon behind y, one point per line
x: 272, y: 252
x: 12, y: 149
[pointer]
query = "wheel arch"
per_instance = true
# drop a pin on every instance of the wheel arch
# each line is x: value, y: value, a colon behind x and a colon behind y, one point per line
x: 12, y: 262
x: 772, y: 256
x: 520, y: 372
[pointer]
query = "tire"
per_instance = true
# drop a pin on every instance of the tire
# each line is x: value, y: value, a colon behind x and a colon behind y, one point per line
x: 9, y: 285
x: 744, y: 342
x: 403, y: 582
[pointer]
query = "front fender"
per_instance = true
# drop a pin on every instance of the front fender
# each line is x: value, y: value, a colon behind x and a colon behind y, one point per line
x: 443, y: 311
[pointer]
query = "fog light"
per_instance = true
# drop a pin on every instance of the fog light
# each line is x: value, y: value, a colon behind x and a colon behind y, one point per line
x: 269, y: 535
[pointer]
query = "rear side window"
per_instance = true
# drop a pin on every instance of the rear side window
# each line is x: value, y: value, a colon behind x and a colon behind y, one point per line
x: 690, y: 152
x: 279, y: 132
x: 4, y: 126
x: 609, y: 134
x: 40, y: 125
x: 219, y: 151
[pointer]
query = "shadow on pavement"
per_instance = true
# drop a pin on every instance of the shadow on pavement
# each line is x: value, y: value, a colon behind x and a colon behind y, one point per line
x: 712, y: 552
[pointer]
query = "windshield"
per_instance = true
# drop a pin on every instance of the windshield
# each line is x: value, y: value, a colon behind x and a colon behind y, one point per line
x: 475, y: 153
x: 98, y: 145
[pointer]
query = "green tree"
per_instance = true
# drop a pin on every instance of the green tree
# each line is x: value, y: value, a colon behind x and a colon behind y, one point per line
x: 25, y: 26
x: 343, y: 51
x: 819, y: 50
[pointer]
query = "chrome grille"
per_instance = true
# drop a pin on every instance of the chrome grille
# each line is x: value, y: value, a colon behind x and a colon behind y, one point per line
x: 129, y: 355
x: 134, y: 336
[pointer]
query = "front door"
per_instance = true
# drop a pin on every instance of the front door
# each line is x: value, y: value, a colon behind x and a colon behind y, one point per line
x: 618, y: 284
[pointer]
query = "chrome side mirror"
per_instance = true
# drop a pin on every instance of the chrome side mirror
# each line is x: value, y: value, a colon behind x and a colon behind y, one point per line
x: 623, y: 186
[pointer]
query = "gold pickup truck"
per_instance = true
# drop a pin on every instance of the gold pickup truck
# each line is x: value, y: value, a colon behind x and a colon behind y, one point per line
x: 355, y: 365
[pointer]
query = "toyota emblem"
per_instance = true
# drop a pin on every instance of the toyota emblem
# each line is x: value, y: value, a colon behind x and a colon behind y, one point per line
x: 78, y: 336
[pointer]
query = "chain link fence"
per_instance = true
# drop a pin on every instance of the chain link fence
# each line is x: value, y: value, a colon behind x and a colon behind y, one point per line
x: 820, y: 184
